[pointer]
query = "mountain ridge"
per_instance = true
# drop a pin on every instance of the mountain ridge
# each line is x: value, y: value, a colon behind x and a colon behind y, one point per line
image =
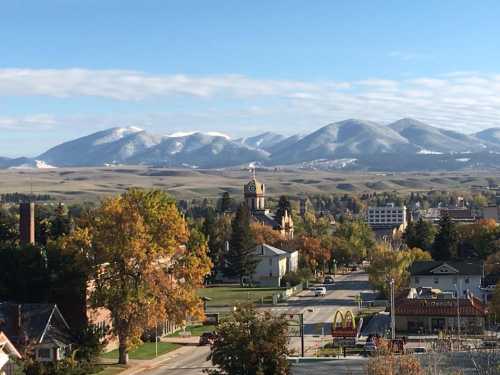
x: 361, y: 142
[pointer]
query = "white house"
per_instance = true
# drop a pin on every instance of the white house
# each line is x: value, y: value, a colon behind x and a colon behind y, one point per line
x: 8, y: 352
x: 272, y: 265
x: 448, y: 276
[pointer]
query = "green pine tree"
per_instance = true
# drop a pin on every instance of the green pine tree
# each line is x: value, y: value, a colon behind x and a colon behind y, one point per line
x: 240, y: 260
x: 445, y: 245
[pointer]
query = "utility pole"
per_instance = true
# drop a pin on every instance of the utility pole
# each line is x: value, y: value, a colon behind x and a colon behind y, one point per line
x: 302, y: 334
x: 458, y: 315
x: 393, y: 312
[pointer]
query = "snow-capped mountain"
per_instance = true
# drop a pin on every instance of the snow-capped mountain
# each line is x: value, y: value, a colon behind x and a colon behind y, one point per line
x: 344, y: 139
x: 404, y: 144
x: 491, y: 135
x: 264, y: 141
x: 432, y: 140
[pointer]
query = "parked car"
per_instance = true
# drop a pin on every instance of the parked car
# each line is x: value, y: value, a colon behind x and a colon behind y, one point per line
x: 207, y: 338
x: 488, y: 344
x: 328, y: 280
x: 417, y: 350
x: 370, y: 347
x: 319, y: 291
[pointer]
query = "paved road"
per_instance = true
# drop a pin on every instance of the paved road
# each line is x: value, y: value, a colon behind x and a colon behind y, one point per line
x: 319, y: 311
x: 190, y: 360
x: 318, y: 315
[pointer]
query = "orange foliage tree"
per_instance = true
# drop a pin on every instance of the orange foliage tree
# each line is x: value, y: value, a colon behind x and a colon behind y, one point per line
x: 146, y: 265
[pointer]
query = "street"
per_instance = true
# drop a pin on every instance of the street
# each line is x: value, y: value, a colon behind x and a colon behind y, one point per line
x: 318, y: 315
x: 190, y: 360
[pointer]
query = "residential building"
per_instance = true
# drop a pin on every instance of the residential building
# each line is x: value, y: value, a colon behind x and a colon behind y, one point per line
x: 459, y: 214
x: 254, y: 194
x: 448, y: 276
x: 385, y: 217
x: 426, y: 311
x: 8, y: 353
x: 273, y: 264
x: 37, y: 327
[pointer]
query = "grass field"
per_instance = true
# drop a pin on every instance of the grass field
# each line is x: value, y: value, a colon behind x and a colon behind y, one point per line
x: 112, y: 370
x: 230, y: 296
x: 82, y: 184
x: 196, y: 330
x: 145, y: 351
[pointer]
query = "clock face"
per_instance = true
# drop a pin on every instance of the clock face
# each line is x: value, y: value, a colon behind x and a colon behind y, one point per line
x: 251, y: 188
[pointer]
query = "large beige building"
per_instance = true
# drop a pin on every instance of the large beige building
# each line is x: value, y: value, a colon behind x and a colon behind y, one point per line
x: 255, y: 193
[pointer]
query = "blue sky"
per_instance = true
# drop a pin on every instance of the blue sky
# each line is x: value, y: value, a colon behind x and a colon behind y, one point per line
x: 68, y: 67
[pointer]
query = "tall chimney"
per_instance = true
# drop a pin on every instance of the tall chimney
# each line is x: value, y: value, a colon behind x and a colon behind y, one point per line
x: 27, y: 223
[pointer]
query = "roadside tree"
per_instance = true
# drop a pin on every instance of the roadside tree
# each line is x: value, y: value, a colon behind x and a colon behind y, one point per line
x: 250, y: 343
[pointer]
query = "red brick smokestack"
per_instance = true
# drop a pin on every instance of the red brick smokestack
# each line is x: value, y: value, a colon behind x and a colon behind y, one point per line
x: 27, y: 223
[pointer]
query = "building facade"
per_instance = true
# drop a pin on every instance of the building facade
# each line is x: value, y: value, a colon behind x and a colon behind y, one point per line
x: 464, y: 277
x: 272, y: 265
x: 389, y: 216
x: 254, y: 194
x: 430, y: 313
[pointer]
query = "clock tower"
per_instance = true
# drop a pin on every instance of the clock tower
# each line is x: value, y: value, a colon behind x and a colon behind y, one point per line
x: 254, y: 193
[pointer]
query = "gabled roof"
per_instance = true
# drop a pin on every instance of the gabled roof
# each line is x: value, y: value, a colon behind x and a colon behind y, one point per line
x: 39, y: 323
x: 7, y: 347
x: 270, y: 250
x: 429, y: 267
x: 265, y: 218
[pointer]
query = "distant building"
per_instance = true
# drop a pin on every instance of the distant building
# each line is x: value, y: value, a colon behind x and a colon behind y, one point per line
x: 491, y: 213
x: 387, y: 217
x: 423, y: 311
x: 254, y: 194
x: 8, y: 353
x: 27, y: 223
x: 38, y: 327
x: 273, y: 264
x: 459, y: 215
x: 466, y: 277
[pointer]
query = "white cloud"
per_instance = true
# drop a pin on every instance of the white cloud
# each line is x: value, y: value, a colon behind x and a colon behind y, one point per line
x: 466, y: 101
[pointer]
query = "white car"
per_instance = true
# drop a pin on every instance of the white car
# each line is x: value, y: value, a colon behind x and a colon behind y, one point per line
x: 319, y: 291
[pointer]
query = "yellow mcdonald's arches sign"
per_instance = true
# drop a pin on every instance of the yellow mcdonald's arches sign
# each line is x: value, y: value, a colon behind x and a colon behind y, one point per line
x: 344, y: 320
x: 344, y: 324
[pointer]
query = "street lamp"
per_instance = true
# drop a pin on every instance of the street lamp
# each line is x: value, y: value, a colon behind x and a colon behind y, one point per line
x: 334, y: 267
x: 393, y: 313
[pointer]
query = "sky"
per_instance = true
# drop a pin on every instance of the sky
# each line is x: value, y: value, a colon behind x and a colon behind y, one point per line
x: 72, y: 67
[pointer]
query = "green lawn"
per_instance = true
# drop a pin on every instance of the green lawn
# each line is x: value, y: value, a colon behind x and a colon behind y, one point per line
x: 144, y: 351
x: 196, y: 330
x: 230, y: 296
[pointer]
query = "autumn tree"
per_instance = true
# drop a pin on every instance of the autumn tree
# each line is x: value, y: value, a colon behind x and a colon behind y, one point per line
x: 240, y: 260
x: 250, y: 343
x: 266, y: 235
x: 387, y: 264
x: 146, y: 265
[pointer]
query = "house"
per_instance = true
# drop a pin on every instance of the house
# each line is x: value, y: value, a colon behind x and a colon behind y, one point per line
x: 448, y: 276
x: 273, y: 264
x: 38, y: 328
x: 254, y: 194
x: 8, y: 352
x: 425, y: 310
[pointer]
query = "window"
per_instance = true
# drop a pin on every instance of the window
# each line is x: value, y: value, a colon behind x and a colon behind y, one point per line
x: 417, y: 280
x: 270, y: 261
x: 436, y: 280
x: 467, y: 280
x: 44, y: 353
x: 271, y: 274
